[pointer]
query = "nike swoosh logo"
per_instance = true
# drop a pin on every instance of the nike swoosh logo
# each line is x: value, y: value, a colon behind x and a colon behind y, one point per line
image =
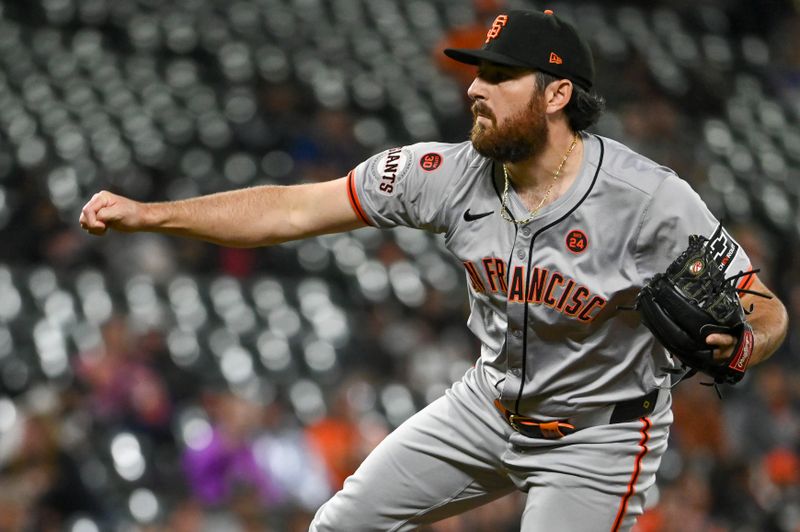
x: 468, y: 217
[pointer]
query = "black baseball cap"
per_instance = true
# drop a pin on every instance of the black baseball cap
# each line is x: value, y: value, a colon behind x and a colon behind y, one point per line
x: 530, y: 39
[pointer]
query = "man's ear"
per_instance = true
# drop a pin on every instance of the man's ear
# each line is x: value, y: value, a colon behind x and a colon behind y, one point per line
x: 557, y: 95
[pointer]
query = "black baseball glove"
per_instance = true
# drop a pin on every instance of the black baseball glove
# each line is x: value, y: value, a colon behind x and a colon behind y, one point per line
x: 691, y: 300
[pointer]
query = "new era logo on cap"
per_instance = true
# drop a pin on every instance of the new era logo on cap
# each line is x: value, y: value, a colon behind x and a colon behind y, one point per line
x: 555, y: 59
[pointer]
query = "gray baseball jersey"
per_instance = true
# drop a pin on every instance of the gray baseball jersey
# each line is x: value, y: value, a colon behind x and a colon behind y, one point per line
x: 555, y: 347
x: 544, y: 296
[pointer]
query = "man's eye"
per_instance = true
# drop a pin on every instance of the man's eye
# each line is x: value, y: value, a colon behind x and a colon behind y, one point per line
x: 494, y: 77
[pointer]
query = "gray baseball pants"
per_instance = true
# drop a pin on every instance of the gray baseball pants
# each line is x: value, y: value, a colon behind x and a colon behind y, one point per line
x: 459, y: 453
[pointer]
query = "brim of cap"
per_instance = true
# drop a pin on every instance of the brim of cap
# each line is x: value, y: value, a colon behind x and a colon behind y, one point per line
x: 474, y: 57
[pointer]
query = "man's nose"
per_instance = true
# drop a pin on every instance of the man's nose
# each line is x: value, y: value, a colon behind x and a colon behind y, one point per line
x: 476, y: 89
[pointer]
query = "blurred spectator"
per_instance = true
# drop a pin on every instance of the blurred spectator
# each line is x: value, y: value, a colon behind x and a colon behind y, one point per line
x: 777, y: 486
x: 337, y: 438
x: 766, y: 420
x: 40, y: 486
x: 698, y: 427
x: 122, y: 385
x: 294, y: 464
x: 223, y: 468
x: 683, y: 507
x: 187, y: 516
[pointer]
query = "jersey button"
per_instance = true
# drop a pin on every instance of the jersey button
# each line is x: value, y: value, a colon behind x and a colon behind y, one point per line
x: 516, y: 372
x: 521, y: 254
x: 525, y: 231
x: 516, y: 333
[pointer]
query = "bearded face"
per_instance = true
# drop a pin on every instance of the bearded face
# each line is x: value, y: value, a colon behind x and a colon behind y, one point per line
x: 517, y: 138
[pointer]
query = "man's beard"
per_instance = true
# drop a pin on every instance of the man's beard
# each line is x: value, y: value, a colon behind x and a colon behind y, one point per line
x: 521, y: 137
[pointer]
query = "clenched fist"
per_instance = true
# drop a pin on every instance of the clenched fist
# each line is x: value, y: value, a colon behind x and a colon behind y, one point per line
x: 106, y: 210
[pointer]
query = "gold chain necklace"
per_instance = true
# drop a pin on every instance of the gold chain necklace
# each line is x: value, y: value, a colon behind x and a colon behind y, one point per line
x: 504, y: 203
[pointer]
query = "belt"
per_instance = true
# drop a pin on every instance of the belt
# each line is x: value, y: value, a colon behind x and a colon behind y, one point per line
x: 621, y: 412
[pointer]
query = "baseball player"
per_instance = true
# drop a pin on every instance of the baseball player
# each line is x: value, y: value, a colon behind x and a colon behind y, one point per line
x: 556, y: 228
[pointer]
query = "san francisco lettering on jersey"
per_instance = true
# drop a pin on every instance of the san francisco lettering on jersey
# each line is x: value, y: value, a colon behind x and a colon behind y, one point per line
x: 542, y: 286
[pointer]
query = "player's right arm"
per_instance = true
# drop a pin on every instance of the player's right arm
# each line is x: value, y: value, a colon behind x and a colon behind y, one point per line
x: 248, y: 217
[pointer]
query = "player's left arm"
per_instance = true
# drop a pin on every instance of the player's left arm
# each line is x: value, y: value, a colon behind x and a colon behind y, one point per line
x: 768, y: 319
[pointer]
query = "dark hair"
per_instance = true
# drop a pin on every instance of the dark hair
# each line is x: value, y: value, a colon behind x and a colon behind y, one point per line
x: 583, y: 109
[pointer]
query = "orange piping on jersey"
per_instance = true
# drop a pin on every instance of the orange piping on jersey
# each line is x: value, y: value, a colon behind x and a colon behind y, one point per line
x: 637, y: 468
x: 555, y: 278
x: 352, y: 195
x: 474, y: 278
x: 516, y: 291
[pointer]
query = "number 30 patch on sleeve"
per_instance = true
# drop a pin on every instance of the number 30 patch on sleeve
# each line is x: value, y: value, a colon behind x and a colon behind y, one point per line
x: 723, y: 246
x: 389, y: 169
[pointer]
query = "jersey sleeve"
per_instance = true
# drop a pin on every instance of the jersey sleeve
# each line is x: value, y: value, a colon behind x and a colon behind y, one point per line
x: 676, y: 211
x: 407, y: 186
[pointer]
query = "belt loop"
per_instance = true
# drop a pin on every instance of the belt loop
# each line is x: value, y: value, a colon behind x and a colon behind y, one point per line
x: 635, y: 408
x: 555, y: 430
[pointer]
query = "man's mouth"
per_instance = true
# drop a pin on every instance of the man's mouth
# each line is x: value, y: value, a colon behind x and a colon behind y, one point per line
x: 482, y: 111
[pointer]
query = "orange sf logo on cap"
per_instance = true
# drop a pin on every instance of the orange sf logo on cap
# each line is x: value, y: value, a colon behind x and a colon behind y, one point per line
x: 497, y: 26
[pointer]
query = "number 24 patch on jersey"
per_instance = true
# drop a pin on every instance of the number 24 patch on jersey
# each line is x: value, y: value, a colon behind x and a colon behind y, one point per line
x: 576, y: 241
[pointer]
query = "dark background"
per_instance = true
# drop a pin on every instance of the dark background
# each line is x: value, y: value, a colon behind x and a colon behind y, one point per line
x: 152, y: 383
